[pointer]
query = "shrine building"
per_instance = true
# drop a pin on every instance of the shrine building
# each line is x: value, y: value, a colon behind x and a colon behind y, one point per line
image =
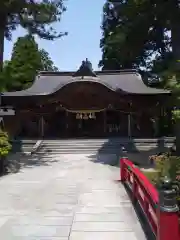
x: 85, y: 103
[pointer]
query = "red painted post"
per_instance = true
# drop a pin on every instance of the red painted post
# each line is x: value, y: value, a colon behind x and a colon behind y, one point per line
x: 168, y: 226
x: 122, y: 165
x: 122, y: 169
x: 146, y: 206
x: 167, y: 213
x: 134, y: 189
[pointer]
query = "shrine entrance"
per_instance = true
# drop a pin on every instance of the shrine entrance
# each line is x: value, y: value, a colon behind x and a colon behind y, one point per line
x: 85, y: 124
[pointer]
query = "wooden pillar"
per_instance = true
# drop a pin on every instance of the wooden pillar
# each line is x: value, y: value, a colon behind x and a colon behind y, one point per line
x: 129, y: 120
x: 161, y: 122
x: 41, y: 126
x: 67, y: 122
x: 129, y: 125
x: 105, y: 121
x: 169, y: 121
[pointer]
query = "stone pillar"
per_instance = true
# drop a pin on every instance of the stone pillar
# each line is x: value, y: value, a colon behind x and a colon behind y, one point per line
x: 167, y: 212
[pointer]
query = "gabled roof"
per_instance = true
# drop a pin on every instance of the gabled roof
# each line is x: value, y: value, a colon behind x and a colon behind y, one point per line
x: 47, y: 83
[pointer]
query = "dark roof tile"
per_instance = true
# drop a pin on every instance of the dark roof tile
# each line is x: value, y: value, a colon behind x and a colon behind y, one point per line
x: 129, y: 82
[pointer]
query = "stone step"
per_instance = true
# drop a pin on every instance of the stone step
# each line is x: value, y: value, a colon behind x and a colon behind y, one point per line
x: 22, y: 146
x: 86, y: 151
x: 101, y: 143
x: 118, y: 151
x: 112, y: 141
x: 79, y: 149
x: 100, y: 146
x: 80, y: 145
x: 105, y: 145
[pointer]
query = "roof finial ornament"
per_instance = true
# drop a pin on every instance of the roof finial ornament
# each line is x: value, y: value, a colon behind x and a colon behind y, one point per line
x: 89, y: 64
x: 85, y: 69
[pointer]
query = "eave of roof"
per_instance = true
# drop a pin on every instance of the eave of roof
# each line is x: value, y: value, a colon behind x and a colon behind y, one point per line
x: 48, y: 83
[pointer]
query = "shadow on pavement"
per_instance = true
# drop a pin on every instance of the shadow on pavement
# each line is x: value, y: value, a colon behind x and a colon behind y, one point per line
x: 18, y: 161
x: 112, y: 150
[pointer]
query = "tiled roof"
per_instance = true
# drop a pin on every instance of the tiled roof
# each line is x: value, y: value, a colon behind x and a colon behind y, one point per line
x: 50, y: 82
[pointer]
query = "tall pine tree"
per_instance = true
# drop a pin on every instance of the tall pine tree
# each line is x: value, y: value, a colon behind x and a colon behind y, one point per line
x: 34, y: 16
x: 46, y: 62
x: 134, y: 31
x: 26, y: 61
x: 144, y: 33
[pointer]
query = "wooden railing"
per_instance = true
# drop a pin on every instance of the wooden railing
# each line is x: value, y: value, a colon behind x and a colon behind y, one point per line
x: 162, y: 218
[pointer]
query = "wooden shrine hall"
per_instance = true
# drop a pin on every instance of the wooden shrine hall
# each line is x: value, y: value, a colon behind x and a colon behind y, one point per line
x: 85, y: 103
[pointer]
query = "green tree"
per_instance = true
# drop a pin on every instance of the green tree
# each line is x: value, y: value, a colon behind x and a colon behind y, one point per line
x: 134, y: 31
x: 26, y: 61
x: 35, y: 16
x: 46, y: 62
x: 24, y: 65
x: 144, y: 33
x: 122, y: 47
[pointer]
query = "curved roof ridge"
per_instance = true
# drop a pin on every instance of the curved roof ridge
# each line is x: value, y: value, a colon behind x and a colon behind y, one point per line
x: 98, y: 72
x: 129, y: 82
x: 85, y: 80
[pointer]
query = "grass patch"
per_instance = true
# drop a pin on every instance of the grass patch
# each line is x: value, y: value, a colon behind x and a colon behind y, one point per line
x: 152, y: 176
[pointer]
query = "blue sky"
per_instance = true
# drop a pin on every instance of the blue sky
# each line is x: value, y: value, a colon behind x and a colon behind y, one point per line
x: 82, y: 21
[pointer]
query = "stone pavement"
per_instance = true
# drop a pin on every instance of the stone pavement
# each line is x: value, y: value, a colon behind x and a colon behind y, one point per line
x: 67, y: 197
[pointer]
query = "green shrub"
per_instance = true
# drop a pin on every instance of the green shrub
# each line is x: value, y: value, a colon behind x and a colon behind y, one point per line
x: 174, y: 167
x: 166, y: 165
x: 5, y: 146
x: 162, y: 166
x: 152, y: 176
x: 176, y: 115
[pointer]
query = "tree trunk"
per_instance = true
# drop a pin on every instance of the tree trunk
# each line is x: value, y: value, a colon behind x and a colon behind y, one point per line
x: 2, y: 33
x: 2, y: 161
x: 1, y: 48
x: 175, y: 38
x: 175, y: 35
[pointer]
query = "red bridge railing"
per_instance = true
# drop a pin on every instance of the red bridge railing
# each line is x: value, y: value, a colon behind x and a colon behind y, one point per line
x: 162, y: 215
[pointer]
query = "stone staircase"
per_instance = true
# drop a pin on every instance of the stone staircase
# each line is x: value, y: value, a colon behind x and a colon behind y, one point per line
x: 23, y: 146
x: 148, y: 144
x: 80, y: 146
x: 102, y: 146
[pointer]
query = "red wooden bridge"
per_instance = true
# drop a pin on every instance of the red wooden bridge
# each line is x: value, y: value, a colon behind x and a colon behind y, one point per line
x: 158, y: 207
